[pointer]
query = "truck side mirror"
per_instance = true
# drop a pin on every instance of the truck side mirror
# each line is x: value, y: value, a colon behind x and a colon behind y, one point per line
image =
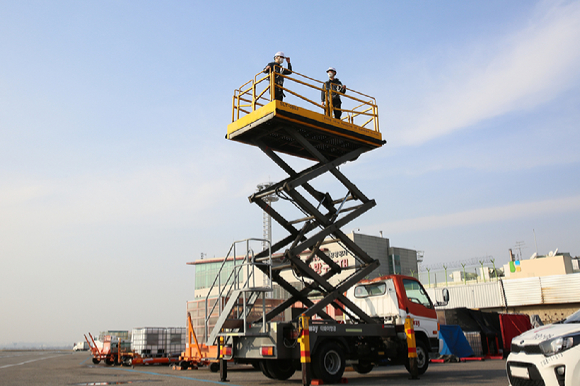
x: 445, y: 301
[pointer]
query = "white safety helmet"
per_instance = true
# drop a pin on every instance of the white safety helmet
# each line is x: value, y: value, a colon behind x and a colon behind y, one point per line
x: 280, y: 54
x: 331, y: 69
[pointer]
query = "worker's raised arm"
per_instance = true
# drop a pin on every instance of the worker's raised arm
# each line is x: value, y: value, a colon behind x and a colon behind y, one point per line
x: 289, y: 70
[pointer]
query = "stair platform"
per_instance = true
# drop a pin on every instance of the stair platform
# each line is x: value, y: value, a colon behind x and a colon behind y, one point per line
x: 233, y: 323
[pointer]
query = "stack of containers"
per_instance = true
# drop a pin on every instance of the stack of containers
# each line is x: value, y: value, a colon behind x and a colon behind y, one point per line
x: 156, y: 342
x: 175, y: 340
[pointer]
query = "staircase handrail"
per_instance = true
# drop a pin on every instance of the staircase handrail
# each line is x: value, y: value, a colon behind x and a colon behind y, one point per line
x: 251, y: 96
x: 234, y: 276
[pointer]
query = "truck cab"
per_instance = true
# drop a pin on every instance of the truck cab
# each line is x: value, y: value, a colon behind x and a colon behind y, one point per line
x: 394, y: 297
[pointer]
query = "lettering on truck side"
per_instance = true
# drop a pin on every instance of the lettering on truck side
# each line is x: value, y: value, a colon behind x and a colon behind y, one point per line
x: 322, y: 328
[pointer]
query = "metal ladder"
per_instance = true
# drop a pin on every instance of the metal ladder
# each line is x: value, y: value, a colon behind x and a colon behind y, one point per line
x: 240, y: 291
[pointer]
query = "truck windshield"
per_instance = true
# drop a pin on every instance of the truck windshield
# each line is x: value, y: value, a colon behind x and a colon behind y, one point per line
x: 374, y: 289
x: 416, y: 293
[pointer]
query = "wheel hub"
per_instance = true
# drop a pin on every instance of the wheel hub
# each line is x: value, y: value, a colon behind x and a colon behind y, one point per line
x: 332, y: 362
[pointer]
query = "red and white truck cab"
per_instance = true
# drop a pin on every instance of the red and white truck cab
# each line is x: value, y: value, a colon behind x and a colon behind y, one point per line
x: 394, y: 297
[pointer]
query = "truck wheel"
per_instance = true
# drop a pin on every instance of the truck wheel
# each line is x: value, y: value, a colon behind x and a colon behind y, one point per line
x: 96, y: 361
x: 280, y: 369
x: 265, y: 369
x: 328, y: 362
x: 214, y: 367
x: 109, y: 361
x: 363, y: 367
x: 422, y: 358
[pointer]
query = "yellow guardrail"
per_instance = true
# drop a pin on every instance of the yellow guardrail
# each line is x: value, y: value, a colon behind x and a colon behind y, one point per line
x: 359, y: 109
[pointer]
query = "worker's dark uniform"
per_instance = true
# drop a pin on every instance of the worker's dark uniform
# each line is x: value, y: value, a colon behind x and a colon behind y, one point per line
x: 337, y: 88
x: 279, y: 80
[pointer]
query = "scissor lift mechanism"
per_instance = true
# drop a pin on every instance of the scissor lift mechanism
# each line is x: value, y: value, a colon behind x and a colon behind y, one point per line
x: 284, y: 128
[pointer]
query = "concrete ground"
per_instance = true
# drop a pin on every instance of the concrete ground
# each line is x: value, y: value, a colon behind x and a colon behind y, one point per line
x: 51, y: 368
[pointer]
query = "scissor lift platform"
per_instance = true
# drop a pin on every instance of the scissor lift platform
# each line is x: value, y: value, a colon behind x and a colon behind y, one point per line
x: 310, y: 133
x: 271, y: 125
x: 279, y: 127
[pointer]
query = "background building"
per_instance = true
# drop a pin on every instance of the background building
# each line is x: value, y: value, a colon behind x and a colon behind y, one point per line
x: 391, y: 259
x: 553, y: 263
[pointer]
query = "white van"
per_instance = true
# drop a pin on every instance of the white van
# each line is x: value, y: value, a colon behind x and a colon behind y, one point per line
x: 81, y: 346
x: 547, y: 355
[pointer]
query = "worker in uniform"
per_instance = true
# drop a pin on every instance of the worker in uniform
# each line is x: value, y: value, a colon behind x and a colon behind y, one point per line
x: 276, y: 66
x: 332, y: 88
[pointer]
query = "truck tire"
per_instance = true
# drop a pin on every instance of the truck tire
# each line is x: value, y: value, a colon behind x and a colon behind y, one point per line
x: 422, y: 358
x: 280, y: 369
x: 96, y: 361
x: 328, y: 362
x: 363, y: 367
x: 214, y: 367
x: 265, y: 369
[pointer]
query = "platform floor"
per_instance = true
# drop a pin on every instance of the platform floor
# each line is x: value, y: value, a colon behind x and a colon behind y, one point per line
x: 273, y: 124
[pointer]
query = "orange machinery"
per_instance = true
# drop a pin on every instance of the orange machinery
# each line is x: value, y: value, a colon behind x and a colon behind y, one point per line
x: 196, y: 354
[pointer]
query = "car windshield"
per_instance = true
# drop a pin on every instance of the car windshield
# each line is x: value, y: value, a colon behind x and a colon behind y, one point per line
x: 574, y: 318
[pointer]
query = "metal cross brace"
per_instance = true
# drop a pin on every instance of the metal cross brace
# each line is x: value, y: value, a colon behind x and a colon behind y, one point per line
x: 323, y: 217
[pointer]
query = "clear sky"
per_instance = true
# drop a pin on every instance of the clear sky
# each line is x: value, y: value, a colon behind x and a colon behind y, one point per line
x: 114, y: 170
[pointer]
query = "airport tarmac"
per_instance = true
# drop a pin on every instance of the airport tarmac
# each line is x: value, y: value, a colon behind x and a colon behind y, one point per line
x: 52, y: 368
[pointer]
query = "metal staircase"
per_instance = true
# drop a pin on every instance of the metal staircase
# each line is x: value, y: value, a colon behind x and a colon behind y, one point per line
x: 241, y: 290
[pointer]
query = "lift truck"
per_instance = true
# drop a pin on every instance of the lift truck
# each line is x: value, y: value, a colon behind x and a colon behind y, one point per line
x: 362, y: 339
x: 110, y: 352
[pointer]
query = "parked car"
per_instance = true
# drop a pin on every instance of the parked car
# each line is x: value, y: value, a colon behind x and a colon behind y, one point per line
x: 547, y: 355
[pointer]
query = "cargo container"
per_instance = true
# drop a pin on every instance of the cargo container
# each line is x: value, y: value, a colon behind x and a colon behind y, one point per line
x: 158, y: 342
